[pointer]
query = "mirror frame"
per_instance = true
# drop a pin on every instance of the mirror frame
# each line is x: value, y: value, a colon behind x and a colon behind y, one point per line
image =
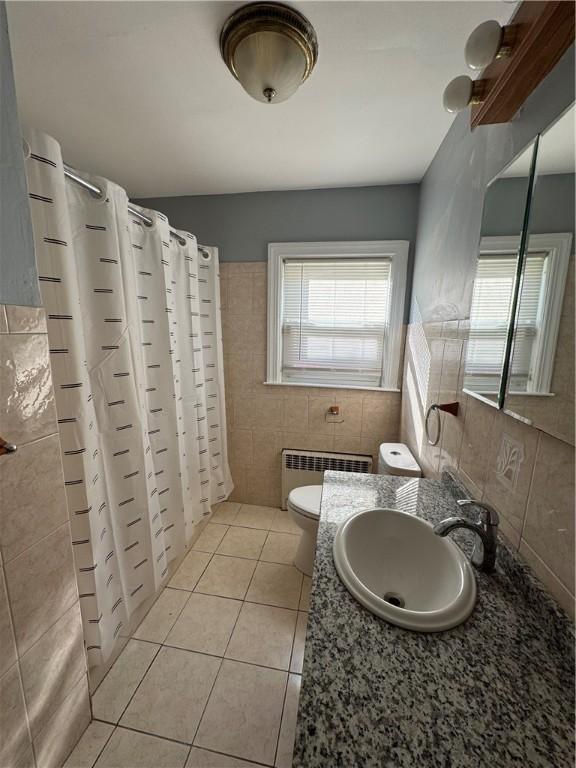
x: 524, y: 234
x: 498, y: 403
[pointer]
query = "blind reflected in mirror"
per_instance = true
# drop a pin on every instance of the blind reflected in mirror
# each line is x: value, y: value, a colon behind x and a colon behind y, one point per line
x: 496, y: 278
x: 540, y: 386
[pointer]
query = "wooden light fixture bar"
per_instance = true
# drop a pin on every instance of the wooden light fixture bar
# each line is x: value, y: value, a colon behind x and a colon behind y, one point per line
x: 538, y: 33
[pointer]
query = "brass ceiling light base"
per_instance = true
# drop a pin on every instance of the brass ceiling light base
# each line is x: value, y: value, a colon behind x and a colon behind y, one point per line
x: 258, y: 18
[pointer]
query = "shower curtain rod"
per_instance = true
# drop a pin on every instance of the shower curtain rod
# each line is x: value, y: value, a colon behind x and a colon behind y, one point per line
x: 71, y: 174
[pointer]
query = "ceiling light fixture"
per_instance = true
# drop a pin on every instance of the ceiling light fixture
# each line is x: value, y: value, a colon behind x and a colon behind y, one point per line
x: 488, y: 42
x: 270, y: 49
x: 463, y: 92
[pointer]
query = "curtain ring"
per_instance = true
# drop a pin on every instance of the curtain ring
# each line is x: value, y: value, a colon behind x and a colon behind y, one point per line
x: 434, y: 407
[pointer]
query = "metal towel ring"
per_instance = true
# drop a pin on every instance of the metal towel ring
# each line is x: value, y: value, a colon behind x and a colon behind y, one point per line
x: 6, y: 447
x: 451, y: 408
x: 433, y: 408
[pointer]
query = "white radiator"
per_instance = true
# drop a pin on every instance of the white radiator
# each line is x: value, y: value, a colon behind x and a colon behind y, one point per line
x: 308, y: 467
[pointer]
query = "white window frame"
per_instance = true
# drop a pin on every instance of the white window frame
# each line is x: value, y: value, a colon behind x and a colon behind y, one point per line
x: 395, y: 250
x: 557, y: 245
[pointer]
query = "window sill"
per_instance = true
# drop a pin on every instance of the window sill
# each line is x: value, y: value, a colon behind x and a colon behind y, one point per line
x: 330, y: 386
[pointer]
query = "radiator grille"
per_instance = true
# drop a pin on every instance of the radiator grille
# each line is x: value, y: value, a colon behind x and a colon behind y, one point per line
x: 311, y: 463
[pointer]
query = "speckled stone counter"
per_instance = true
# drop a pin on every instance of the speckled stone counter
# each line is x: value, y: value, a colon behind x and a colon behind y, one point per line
x: 494, y: 692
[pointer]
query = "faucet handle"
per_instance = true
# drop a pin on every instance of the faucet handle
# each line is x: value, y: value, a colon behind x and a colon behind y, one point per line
x: 491, y: 516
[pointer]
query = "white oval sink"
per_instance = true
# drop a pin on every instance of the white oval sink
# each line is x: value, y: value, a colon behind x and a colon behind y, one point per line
x: 397, y: 567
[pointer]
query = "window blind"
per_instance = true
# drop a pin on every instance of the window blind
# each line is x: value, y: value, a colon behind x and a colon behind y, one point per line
x: 335, y: 319
x: 529, y: 326
x: 490, y: 315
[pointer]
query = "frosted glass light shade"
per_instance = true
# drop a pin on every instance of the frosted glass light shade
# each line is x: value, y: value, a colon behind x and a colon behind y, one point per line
x: 483, y: 45
x: 458, y: 94
x: 270, y: 48
x: 270, y: 66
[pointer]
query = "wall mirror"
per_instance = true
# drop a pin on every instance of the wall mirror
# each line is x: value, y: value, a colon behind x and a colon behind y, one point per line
x: 540, y: 381
x: 495, y: 292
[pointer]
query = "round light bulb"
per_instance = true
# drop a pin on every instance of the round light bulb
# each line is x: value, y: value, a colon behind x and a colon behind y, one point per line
x: 483, y: 45
x: 270, y: 66
x: 458, y: 94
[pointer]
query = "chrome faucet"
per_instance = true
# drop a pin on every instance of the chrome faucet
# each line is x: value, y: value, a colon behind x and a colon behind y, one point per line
x: 484, y: 554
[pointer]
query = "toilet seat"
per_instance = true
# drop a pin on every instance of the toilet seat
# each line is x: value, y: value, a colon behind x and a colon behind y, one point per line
x: 306, y: 500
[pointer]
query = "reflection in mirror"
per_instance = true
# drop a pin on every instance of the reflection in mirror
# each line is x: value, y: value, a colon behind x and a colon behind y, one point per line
x: 496, y: 279
x: 540, y: 385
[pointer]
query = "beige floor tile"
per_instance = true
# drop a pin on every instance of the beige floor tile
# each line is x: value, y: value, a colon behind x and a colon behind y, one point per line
x: 227, y: 577
x: 280, y: 548
x: 242, y: 542
x: 252, y: 516
x: 161, y: 617
x: 274, y: 584
x: 172, y: 696
x: 282, y: 522
x: 116, y: 690
x: 205, y: 624
x: 225, y: 512
x: 210, y: 537
x: 201, y: 758
x: 305, y: 596
x: 244, y: 711
x: 129, y: 749
x: 192, y: 567
x: 288, y: 729
x: 93, y: 741
x: 299, y: 640
x: 263, y: 635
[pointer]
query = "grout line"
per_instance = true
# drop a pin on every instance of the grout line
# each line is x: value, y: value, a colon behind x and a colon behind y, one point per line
x: 235, y: 757
x: 175, y: 620
x: 281, y: 718
x: 222, y: 658
x: 205, y: 707
x: 149, y: 733
x: 141, y: 680
x: 530, y: 489
x: 105, y: 741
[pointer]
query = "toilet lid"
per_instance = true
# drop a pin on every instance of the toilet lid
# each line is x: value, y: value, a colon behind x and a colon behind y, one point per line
x: 306, y: 500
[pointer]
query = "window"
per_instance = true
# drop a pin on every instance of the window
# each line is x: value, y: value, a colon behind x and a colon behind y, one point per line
x: 537, y: 317
x: 335, y: 313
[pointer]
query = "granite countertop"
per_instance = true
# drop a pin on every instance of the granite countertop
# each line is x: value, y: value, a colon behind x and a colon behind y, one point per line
x: 496, y: 691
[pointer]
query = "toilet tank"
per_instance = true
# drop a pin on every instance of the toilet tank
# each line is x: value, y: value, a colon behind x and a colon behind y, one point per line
x: 397, y: 459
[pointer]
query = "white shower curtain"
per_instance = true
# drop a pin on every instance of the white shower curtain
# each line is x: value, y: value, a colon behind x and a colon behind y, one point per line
x: 135, y: 342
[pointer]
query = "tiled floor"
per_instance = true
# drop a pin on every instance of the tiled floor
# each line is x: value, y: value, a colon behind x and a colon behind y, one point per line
x: 211, y: 677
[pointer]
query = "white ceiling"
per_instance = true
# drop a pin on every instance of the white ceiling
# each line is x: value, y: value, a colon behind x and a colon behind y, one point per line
x: 137, y: 92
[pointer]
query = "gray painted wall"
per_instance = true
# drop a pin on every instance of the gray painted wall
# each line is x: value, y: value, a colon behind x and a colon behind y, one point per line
x: 242, y: 225
x: 18, y: 276
x: 552, y: 208
x: 452, y: 192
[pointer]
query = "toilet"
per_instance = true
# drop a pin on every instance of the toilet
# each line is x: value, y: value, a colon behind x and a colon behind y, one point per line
x: 304, y: 502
